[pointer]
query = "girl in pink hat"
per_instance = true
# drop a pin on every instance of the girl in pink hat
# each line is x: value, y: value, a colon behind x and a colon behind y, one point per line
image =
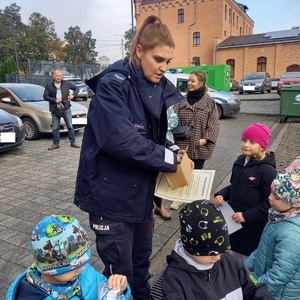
x: 249, y: 189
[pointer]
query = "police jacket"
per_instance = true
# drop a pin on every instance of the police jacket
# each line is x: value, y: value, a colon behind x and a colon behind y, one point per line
x: 248, y: 193
x: 124, y: 144
x: 50, y: 93
x: 227, y: 279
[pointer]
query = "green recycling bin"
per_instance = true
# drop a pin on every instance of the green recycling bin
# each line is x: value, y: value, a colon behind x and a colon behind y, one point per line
x: 289, y: 102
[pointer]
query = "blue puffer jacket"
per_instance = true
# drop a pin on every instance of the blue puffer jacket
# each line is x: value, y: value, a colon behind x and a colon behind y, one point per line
x: 89, y: 280
x: 276, y: 261
x: 124, y: 144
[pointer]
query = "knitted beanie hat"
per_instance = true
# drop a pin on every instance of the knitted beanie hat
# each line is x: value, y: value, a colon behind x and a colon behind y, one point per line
x: 203, y: 229
x: 258, y: 133
x: 287, y: 187
x: 59, y: 245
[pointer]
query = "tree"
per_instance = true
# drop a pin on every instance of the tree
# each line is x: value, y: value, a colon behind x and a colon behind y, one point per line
x: 128, y: 36
x: 8, y: 66
x: 80, y: 47
x: 10, y: 27
x: 42, y: 41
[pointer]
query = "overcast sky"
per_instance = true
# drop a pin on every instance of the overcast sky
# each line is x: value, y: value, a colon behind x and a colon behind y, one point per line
x: 110, y: 19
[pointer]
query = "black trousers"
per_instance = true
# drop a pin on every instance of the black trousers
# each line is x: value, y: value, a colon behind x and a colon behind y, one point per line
x: 125, y: 248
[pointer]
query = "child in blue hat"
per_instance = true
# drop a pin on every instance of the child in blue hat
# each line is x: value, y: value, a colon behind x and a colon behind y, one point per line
x: 61, y: 249
x: 276, y: 260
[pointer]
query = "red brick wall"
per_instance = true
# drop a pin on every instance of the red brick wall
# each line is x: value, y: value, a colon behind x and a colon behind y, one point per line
x: 209, y: 19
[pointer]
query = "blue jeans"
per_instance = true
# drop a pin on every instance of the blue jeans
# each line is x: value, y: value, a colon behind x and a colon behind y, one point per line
x: 125, y: 248
x: 56, y: 124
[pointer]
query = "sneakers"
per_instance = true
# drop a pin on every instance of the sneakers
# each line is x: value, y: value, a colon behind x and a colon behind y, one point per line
x: 75, y: 145
x: 54, y: 146
x: 175, y: 205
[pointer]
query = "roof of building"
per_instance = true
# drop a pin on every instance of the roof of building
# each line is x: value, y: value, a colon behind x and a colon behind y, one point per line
x: 272, y: 37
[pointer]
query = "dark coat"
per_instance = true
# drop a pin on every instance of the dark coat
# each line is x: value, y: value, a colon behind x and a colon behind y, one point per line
x: 123, y: 146
x: 228, y: 277
x: 205, y: 125
x: 248, y: 193
x: 50, y: 93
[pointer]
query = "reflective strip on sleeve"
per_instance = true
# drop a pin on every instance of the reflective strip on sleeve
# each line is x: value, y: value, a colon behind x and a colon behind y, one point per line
x: 169, y: 156
x: 174, y: 148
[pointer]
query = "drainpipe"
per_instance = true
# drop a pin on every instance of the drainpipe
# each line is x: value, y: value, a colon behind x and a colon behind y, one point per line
x: 189, y: 34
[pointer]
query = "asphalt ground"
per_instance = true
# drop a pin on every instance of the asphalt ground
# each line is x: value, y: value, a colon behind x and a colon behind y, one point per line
x: 36, y: 182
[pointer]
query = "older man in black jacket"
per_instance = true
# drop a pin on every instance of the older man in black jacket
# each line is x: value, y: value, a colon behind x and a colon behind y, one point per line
x: 57, y: 93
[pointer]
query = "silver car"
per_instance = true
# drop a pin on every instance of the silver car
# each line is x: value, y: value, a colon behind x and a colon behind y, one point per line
x: 26, y: 101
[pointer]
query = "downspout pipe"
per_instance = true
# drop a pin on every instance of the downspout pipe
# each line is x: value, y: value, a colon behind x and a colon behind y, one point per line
x: 189, y: 33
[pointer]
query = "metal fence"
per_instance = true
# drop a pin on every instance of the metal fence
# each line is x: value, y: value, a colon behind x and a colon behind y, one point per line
x: 40, y: 71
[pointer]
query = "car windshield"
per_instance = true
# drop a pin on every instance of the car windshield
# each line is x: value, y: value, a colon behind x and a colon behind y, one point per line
x: 291, y: 75
x: 252, y: 76
x: 32, y: 93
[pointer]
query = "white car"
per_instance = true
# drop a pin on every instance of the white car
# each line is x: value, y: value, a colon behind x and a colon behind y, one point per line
x: 26, y: 101
x: 228, y: 104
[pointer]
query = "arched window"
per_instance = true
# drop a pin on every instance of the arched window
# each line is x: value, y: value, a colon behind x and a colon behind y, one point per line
x: 261, y: 64
x: 196, y: 61
x: 180, y: 15
x: 231, y: 63
x: 196, y: 38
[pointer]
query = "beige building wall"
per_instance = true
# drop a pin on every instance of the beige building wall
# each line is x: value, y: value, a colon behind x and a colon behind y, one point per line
x: 246, y: 58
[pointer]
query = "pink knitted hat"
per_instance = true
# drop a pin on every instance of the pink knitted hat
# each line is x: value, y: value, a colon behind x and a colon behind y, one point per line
x: 258, y: 133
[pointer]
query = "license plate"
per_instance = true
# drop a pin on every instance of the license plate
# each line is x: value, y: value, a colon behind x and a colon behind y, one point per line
x: 249, y: 88
x: 79, y: 121
x: 7, y: 137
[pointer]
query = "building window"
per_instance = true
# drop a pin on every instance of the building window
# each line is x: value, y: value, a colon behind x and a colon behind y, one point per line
x: 180, y: 15
x: 196, y: 38
x: 231, y: 63
x: 261, y: 64
x: 196, y: 61
x: 233, y: 19
x: 225, y: 12
x: 229, y: 16
x: 224, y: 33
x: 237, y: 21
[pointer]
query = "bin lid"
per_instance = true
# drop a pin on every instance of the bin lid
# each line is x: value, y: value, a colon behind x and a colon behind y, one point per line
x: 292, y: 87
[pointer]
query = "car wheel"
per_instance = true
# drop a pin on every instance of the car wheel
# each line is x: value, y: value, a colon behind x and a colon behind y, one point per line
x: 84, y: 98
x: 220, y: 111
x: 263, y: 89
x: 241, y: 93
x: 30, y: 129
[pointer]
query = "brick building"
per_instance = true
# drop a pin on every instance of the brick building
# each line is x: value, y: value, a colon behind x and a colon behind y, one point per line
x: 197, y: 26
x: 275, y: 52
x: 208, y: 32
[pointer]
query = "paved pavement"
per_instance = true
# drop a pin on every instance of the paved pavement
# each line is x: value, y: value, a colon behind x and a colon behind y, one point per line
x: 36, y: 182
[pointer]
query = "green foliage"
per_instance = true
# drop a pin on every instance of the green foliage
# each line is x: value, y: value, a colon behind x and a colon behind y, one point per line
x: 8, y: 66
x: 80, y: 47
x: 38, y: 40
x: 128, y: 36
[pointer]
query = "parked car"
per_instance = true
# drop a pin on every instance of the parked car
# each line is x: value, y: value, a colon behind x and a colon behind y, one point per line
x: 255, y: 82
x: 11, y: 131
x: 26, y: 101
x: 234, y: 85
x: 83, y: 88
x: 227, y: 103
x: 274, y: 83
x: 288, y: 78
